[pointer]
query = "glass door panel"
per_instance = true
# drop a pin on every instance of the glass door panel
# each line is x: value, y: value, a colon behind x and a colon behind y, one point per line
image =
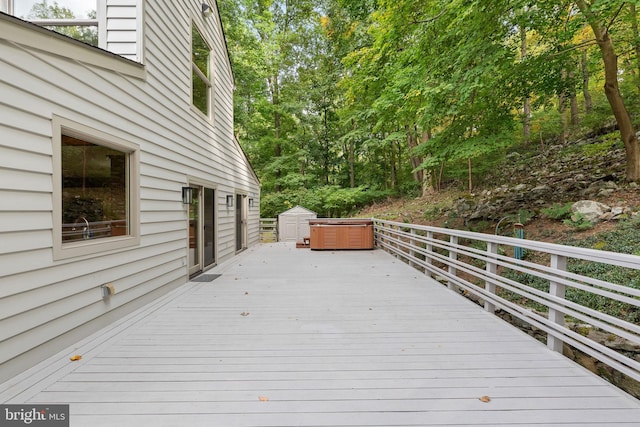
x: 209, y: 227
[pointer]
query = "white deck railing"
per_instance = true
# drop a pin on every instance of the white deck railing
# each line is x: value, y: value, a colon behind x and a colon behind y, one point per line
x: 478, y: 262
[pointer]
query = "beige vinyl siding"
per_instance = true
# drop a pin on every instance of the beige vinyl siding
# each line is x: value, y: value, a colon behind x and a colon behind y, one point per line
x: 120, y: 27
x: 46, y: 304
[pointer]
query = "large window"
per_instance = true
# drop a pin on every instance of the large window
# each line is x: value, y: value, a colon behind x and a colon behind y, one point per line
x: 201, y: 73
x: 96, y: 191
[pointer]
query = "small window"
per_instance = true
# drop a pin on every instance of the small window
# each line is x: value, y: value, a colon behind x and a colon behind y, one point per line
x: 96, y: 191
x: 201, y: 74
x: 75, y: 19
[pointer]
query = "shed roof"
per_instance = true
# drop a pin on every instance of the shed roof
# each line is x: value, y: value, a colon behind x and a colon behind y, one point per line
x: 297, y: 210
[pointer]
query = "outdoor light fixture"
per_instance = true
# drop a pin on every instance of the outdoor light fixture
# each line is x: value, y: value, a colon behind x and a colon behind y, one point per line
x: 251, y: 203
x: 206, y: 10
x: 230, y: 200
x: 187, y: 195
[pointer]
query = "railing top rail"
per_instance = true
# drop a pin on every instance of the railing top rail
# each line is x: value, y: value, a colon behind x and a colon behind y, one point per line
x: 594, y: 255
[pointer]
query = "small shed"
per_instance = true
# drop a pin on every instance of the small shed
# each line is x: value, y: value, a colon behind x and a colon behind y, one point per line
x: 293, y: 225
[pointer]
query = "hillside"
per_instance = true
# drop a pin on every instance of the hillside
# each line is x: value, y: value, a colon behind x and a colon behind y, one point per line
x: 536, y: 188
x: 524, y: 187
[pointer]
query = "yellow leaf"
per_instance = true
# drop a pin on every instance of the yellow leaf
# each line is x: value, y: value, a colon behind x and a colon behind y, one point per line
x: 75, y: 358
x: 485, y: 399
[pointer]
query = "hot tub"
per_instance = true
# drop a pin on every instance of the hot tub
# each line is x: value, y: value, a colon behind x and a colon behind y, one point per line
x: 341, y: 233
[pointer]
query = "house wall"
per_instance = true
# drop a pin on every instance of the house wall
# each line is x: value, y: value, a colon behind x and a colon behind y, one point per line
x: 46, y: 303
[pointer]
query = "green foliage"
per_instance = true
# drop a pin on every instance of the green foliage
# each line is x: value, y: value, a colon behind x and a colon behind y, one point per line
x: 381, y: 94
x: 557, y: 211
x: 578, y: 222
x: 609, y: 142
x: 524, y: 216
x: 327, y: 201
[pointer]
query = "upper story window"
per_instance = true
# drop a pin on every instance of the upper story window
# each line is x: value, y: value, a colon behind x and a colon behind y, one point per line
x: 201, y: 85
x: 73, y: 18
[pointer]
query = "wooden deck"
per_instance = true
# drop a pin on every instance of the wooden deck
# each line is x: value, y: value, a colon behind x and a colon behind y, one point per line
x: 293, y: 337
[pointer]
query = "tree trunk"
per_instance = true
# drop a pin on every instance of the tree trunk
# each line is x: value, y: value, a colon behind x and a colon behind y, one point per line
x: 416, y: 161
x: 612, y: 91
x: 575, y: 111
x: 562, y: 108
x: 588, y: 103
x: 352, y: 149
x: 392, y: 167
x: 277, y: 149
x: 526, y: 108
x: 470, y: 178
x: 427, y: 182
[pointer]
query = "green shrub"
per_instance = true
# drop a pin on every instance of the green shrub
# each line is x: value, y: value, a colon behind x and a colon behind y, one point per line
x: 557, y: 211
x: 578, y: 222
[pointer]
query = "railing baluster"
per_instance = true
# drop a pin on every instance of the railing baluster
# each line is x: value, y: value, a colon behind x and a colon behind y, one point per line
x: 412, y: 252
x: 453, y: 255
x: 492, y: 251
x: 558, y: 262
x: 429, y: 250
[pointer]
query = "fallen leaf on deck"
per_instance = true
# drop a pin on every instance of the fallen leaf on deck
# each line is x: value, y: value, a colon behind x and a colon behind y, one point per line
x: 75, y: 358
x: 485, y: 399
x: 244, y: 313
x: 246, y: 293
x: 263, y: 398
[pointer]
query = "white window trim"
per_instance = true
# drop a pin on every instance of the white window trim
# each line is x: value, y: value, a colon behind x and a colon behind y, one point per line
x: 76, y: 249
x: 209, y: 81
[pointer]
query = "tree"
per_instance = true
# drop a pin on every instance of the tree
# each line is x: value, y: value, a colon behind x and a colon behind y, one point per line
x: 596, y: 20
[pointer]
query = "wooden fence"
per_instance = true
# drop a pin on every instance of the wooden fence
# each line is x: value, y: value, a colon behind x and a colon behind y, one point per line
x: 268, y: 230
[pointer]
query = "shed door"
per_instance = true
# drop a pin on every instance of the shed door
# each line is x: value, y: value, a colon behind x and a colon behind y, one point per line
x: 290, y: 229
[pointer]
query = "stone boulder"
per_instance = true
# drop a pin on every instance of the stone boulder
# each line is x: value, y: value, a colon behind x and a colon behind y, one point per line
x: 590, y: 210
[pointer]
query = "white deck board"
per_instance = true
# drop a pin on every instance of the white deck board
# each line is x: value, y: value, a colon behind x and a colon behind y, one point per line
x: 324, y: 339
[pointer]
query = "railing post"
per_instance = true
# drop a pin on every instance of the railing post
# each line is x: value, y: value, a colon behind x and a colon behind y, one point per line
x: 558, y: 262
x: 429, y: 250
x: 492, y: 251
x: 453, y: 255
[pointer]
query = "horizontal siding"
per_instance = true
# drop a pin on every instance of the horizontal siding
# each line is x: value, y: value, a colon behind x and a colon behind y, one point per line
x: 43, y: 300
x: 24, y: 221
x: 21, y: 180
x: 122, y: 28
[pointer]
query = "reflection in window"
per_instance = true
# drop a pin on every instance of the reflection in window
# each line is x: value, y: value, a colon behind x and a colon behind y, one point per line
x: 94, y: 191
x: 71, y: 18
x: 201, y: 76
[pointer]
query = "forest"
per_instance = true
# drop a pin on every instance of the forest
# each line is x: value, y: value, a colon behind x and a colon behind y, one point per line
x: 340, y: 103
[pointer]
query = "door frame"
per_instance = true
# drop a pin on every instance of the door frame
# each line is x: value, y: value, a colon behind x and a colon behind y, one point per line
x: 200, y: 266
x: 241, y: 220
